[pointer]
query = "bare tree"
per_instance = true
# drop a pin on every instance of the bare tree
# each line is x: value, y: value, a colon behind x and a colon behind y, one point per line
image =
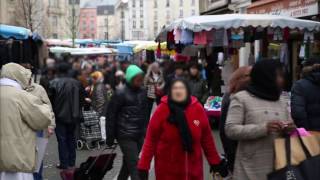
x: 72, y: 20
x: 29, y: 14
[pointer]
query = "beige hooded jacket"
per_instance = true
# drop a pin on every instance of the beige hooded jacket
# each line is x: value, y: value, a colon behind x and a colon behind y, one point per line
x: 21, y: 115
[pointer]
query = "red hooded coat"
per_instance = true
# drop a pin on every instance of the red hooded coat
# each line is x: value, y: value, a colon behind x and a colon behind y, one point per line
x: 163, y: 142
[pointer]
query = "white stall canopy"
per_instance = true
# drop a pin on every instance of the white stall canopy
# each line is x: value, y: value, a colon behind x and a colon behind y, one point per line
x: 227, y: 21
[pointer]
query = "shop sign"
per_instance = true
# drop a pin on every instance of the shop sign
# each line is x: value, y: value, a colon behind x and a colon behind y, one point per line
x: 292, y: 8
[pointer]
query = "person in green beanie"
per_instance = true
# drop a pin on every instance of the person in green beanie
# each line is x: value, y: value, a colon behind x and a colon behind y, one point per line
x: 127, y: 119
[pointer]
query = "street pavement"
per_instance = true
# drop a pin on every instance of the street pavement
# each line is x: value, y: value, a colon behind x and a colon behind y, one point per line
x: 51, y: 159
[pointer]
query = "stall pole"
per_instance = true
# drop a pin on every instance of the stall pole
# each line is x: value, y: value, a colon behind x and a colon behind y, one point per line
x: 256, y: 50
x: 244, y: 54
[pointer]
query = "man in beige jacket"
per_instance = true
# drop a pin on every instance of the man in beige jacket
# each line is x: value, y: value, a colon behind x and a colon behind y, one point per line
x: 21, y: 115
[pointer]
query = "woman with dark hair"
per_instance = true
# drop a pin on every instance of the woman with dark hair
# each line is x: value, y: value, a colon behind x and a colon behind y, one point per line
x: 177, y: 133
x: 255, y: 118
x: 239, y: 81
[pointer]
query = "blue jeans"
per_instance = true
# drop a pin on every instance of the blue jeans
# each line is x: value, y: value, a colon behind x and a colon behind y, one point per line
x: 38, y: 176
x: 66, y: 144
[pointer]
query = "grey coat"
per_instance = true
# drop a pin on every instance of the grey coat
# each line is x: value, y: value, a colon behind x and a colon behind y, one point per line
x: 246, y: 122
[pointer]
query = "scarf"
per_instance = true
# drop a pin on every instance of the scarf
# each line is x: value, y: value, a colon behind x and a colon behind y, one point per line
x: 10, y: 82
x: 178, y: 118
x: 263, y: 80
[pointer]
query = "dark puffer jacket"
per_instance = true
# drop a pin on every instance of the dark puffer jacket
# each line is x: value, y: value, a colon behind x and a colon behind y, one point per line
x: 305, y: 102
x: 199, y: 89
x: 127, y: 114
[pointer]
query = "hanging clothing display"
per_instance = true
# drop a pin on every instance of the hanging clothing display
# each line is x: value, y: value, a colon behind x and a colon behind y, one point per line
x: 210, y: 37
x: 259, y: 33
x: 270, y: 33
x: 286, y: 34
x: 200, y: 38
x: 177, y: 35
x: 220, y: 38
x: 249, y: 35
x: 186, y: 37
x: 237, y: 38
x: 170, y: 40
x: 278, y: 34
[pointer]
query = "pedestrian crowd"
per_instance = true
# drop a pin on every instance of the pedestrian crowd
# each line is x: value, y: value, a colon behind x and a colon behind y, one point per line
x: 154, y: 111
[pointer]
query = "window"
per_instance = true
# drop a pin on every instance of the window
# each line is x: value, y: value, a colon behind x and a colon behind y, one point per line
x: 122, y: 14
x: 53, y: 3
x: 92, y: 36
x: 155, y: 26
x: 133, y: 3
x: 54, y: 21
x: 134, y: 25
x: 141, y: 13
x: 55, y: 36
x: 181, y: 13
x: 84, y: 15
x: 168, y: 14
x: 92, y: 25
x: 155, y: 3
x: 134, y: 14
x: 141, y: 3
x: 193, y: 2
x: 155, y: 15
x: 141, y: 24
x: 168, y: 3
x: 193, y: 12
x: 181, y: 3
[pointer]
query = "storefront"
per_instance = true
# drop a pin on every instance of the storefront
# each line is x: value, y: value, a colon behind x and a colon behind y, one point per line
x: 292, y: 8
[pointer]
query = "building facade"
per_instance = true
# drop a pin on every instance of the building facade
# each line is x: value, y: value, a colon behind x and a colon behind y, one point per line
x: 88, y: 23
x: 98, y: 20
x: 143, y: 19
x: 50, y: 18
x: 209, y: 7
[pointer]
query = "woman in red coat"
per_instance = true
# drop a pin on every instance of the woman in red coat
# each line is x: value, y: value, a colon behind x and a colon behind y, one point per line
x: 177, y: 133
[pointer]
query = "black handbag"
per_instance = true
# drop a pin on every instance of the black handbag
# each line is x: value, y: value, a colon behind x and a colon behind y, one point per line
x: 96, y: 167
x: 309, y: 169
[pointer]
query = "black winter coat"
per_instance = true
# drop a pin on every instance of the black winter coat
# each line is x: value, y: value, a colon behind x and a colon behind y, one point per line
x: 305, y: 102
x: 66, y: 96
x: 199, y: 89
x: 229, y: 146
x: 127, y: 114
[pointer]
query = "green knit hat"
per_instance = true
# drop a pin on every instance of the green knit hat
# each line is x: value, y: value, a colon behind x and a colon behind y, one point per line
x: 131, y: 72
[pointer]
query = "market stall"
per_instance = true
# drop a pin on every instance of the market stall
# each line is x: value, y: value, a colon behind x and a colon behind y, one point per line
x: 83, y: 51
x: 233, y: 40
x: 20, y: 45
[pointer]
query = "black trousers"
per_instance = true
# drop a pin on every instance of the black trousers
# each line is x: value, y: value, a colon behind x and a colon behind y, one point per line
x: 66, y: 144
x: 130, y: 150
x: 150, y: 105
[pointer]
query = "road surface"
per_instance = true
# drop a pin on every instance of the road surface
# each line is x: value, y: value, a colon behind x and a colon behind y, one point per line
x: 51, y: 159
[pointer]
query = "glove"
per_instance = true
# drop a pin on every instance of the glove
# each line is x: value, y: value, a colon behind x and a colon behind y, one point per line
x: 221, y: 168
x: 143, y: 174
x: 110, y: 141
